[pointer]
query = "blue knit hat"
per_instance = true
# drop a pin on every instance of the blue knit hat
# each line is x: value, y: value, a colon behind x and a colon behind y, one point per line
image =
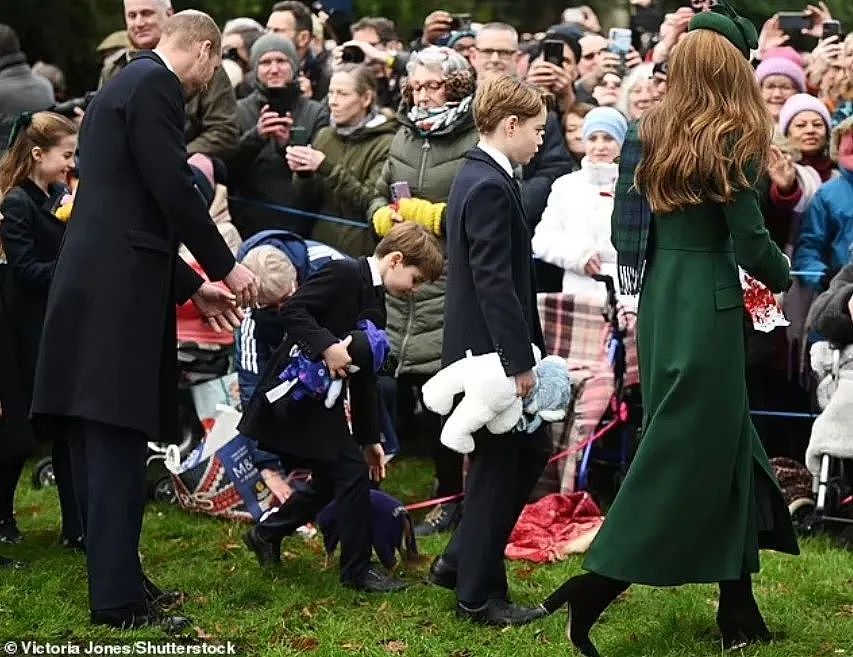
x: 605, y: 119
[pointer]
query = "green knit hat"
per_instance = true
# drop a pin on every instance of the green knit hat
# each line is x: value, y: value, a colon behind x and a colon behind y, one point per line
x: 722, y: 19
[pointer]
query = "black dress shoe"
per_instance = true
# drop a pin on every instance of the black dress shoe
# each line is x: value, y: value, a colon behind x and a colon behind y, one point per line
x: 375, y: 581
x: 137, y: 616
x: 9, y: 532
x: 501, y: 613
x: 268, y: 554
x: 162, y: 600
x: 442, y: 574
x: 5, y: 562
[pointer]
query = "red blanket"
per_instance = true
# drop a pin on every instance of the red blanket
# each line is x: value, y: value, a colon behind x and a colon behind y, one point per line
x: 554, y: 527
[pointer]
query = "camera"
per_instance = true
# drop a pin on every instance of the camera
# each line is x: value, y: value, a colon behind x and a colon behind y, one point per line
x: 352, y: 55
x: 68, y: 108
x: 460, y: 22
x: 830, y: 29
x: 233, y: 54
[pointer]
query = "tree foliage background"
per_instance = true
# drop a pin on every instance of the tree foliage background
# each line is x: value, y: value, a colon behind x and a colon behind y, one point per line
x: 66, y: 32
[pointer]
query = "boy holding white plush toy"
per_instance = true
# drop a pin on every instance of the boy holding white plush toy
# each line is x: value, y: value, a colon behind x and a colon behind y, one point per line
x: 490, y: 311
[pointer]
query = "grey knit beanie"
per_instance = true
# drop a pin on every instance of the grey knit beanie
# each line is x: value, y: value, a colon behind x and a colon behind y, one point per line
x: 274, y: 43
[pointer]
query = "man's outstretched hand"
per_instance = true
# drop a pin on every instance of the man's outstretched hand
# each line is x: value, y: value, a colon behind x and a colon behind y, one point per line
x: 244, y: 284
x: 218, y: 307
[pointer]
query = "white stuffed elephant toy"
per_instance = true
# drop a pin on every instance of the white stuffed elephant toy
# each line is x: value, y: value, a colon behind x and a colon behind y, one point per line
x: 490, y: 399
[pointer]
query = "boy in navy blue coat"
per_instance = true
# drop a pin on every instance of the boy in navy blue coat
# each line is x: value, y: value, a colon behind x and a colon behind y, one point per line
x: 491, y: 307
x: 343, y: 452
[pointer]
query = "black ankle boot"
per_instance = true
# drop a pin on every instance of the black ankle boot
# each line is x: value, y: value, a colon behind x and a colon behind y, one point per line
x: 587, y: 596
x: 738, y: 616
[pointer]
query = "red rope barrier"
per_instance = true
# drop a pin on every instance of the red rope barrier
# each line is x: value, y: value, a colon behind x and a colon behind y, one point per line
x: 561, y: 455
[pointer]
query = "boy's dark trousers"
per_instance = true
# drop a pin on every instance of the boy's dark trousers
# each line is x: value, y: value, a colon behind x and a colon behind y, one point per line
x: 504, y: 469
x: 344, y: 480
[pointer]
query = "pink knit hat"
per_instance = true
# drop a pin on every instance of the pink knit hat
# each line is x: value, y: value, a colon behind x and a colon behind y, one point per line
x: 802, y: 103
x: 782, y: 66
x: 786, y: 52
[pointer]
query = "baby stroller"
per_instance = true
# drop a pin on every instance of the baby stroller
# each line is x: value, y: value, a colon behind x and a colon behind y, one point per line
x: 609, y: 452
x: 203, y: 355
x: 831, y: 443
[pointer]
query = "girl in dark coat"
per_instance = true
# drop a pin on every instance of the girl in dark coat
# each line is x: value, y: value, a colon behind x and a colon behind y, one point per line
x: 700, y: 499
x: 33, y: 173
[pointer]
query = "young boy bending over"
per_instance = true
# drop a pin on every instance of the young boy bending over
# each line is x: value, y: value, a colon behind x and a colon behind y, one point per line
x: 341, y: 448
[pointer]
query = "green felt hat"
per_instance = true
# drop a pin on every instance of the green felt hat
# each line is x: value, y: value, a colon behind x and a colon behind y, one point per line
x: 722, y: 19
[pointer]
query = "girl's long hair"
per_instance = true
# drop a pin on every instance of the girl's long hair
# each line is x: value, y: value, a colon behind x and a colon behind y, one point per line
x: 710, y: 135
x: 45, y: 130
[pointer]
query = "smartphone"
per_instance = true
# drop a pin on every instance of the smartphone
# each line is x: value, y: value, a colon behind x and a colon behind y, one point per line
x: 299, y: 136
x: 620, y: 40
x: 400, y: 190
x: 552, y: 51
x: 352, y: 55
x: 830, y: 29
x: 793, y: 22
x: 277, y: 101
x: 460, y: 21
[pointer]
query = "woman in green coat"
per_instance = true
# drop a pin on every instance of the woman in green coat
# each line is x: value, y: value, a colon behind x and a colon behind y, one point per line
x: 337, y: 174
x: 700, y: 498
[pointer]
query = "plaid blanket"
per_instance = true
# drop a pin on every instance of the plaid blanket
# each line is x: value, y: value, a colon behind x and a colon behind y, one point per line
x: 575, y: 329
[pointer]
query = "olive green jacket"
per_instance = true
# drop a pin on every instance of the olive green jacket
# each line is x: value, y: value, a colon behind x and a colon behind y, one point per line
x: 344, y: 185
x: 211, y: 116
x: 429, y: 165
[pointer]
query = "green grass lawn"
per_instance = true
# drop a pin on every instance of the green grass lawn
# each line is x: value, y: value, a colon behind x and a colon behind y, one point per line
x: 301, y: 609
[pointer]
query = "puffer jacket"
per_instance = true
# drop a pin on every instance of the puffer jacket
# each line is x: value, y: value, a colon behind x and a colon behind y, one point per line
x: 827, y: 232
x: 344, y: 185
x: 429, y: 165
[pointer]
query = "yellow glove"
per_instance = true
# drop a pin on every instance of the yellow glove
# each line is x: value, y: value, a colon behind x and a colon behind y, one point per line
x: 382, y: 222
x: 428, y: 215
x: 63, y: 213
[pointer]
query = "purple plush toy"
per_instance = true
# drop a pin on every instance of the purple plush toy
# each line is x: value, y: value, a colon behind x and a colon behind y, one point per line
x: 392, y: 529
x: 308, y: 379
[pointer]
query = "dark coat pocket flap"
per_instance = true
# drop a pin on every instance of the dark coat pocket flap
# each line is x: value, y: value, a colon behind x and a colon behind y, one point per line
x: 728, y: 297
x: 139, y: 239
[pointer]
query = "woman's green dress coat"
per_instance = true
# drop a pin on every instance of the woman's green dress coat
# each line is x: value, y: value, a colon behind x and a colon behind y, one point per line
x: 700, y: 498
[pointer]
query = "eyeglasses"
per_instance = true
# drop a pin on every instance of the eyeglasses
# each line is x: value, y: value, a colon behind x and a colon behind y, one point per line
x: 488, y: 53
x: 702, y: 4
x: 784, y: 88
x: 432, y: 85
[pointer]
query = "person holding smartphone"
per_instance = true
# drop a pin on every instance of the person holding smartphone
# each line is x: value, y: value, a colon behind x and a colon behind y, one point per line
x: 270, y: 118
x: 336, y: 174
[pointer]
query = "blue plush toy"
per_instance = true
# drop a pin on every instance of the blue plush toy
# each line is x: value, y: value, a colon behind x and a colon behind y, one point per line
x: 550, y: 398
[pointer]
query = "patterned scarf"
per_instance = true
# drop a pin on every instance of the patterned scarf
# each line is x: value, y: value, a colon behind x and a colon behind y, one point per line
x: 430, y: 120
x: 632, y: 217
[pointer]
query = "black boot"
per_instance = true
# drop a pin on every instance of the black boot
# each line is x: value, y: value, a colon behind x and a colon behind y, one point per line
x: 738, y: 616
x: 587, y: 596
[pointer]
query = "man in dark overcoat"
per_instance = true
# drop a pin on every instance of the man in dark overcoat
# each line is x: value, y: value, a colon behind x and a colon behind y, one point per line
x: 106, y: 371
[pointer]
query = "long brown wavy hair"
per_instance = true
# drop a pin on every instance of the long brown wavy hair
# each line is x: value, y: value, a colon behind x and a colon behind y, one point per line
x: 710, y: 135
x: 45, y: 130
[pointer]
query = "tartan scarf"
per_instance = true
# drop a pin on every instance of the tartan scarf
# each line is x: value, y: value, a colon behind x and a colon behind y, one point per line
x: 632, y: 217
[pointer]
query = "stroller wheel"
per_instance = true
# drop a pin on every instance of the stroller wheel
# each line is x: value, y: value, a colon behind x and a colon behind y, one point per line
x: 43, y: 473
x: 802, y: 514
x: 162, y: 491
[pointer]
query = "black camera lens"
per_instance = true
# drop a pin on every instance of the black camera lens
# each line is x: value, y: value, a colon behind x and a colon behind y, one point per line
x: 352, y: 55
x: 233, y: 54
